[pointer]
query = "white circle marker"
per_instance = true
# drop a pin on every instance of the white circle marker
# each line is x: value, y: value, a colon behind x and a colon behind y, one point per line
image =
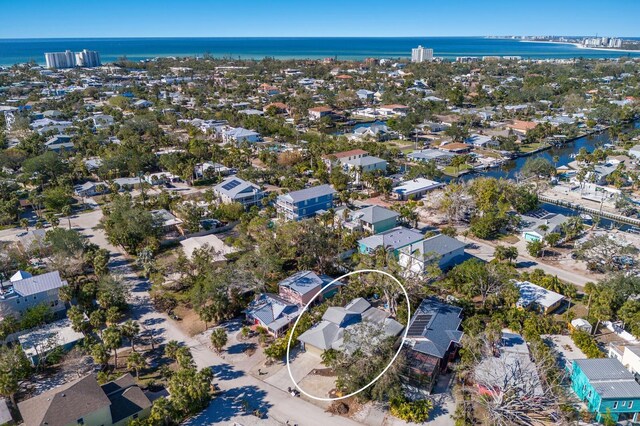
x: 404, y: 337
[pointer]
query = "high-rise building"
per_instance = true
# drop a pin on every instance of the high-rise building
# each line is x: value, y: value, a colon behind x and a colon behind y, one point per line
x: 69, y: 59
x: 88, y: 58
x: 64, y: 59
x: 421, y: 54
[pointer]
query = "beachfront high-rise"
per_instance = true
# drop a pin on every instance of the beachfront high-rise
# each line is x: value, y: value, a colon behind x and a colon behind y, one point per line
x: 69, y: 59
x: 88, y: 58
x: 421, y: 54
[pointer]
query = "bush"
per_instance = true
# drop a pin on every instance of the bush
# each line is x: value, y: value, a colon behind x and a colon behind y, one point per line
x: 587, y: 344
x: 411, y: 411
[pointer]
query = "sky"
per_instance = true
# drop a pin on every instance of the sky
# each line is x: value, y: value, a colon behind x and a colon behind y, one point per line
x: 300, y: 18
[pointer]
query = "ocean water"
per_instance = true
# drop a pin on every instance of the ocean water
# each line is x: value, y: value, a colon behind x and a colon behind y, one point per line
x: 23, y: 50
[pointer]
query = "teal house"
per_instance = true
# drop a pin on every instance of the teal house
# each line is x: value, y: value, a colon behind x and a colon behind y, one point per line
x: 606, y: 386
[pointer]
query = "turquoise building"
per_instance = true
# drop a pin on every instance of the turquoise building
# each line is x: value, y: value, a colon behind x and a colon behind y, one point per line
x: 605, y: 385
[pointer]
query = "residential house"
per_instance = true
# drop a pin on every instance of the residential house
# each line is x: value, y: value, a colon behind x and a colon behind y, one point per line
x: 393, y: 110
x: 538, y: 224
x: 365, y: 95
x: 24, y: 291
x: 142, y: 103
x: 305, y: 203
x: 414, y: 189
x: 337, y: 320
x: 210, y: 169
x: 372, y: 219
x: 456, y: 148
x: 90, y: 189
x: 480, y: 141
x: 444, y: 250
x: 433, y: 340
x: 277, y: 312
x: 316, y: 113
x: 34, y: 240
x: 84, y: 402
x: 377, y: 131
x: 441, y: 158
x: 607, y: 388
x: 59, y: 143
x: 392, y: 240
x: 508, y: 364
x: 634, y: 152
x: 167, y: 221
x: 102, y: 121
x: 236, y: 190
x: 239, y: 135
x: 534, y: 296
x: 332, y: 160
x: 39, y: 342
x: 366, y: 164
x: 521, y: 126
x: 628, y: 355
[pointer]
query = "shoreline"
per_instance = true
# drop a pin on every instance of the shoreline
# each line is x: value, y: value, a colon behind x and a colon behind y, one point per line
x: 579, y: 46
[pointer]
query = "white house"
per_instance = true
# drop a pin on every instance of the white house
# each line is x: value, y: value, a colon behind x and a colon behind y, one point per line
x: 415, y: 188
x: 417, y: 257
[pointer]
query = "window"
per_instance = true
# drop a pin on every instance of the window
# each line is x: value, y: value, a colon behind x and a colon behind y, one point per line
x: 624, y: 403
x: 630, y: 404
x: 589, y: 394
x: 615, y: 405
x: 81, y: 421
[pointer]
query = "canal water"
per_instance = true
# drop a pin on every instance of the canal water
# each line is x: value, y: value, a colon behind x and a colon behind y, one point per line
x: 563, y: 154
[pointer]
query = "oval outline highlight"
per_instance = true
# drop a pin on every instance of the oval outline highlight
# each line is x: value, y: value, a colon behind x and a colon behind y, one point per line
x: 404, y: 336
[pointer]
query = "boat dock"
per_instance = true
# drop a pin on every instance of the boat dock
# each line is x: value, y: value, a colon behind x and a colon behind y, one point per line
x: 595, y: 212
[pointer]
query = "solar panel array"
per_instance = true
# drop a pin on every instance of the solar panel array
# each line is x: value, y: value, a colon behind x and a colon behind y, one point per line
x: 230, y: 185
x: 419, y: 324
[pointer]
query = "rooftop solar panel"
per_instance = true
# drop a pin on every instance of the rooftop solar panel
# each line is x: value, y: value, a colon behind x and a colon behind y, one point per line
x: 230, y: 185
x: 418, y: 325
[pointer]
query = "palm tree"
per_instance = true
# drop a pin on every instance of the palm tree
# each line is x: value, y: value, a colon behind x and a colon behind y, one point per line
x: 218, y: 339
x: 66, y: 211
x: 171, y: 349
x: 112, y: 339
x: 136, y: 362
x: 130, y: 330
x: 100, y: 354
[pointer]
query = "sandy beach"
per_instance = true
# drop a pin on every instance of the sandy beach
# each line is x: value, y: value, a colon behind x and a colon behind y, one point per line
x: 579, y: 46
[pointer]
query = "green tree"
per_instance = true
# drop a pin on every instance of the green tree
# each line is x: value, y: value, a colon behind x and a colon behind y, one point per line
x: 136, y: 362
x: 218, y: 339
x: 535, y: 248
x: 130, y: 330
x: 112, y: 339
x: 14, y: 368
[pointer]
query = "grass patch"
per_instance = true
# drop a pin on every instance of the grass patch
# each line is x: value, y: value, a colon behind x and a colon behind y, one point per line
x: 533, y: 147
x: 455, y: 172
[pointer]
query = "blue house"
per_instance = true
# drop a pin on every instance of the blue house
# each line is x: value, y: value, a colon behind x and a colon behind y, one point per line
x: 606, y: 386
x: 305, y: 203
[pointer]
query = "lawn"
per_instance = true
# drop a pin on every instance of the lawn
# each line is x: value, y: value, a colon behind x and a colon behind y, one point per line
x: 533, y: 147
x: 455, y: 172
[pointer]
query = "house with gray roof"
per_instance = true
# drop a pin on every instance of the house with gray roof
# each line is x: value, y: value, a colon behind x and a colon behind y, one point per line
x: 392, y: 240
x: 273, y: 313
x: 441, y: 249
x: 607, y: 388
x: 441, y: 158
x: 433, y: 339
x: 538, y: 224
x: 305, y: 203
x: 338, y: 321
x: 24, y: 291
x: 84, y: 402
x: 236, y: 190
x: 372, y: 219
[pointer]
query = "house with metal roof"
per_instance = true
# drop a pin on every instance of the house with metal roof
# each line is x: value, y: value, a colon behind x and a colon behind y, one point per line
x: 24, y: 291
x: 302, y: 286
x: 433, y: 340
x: 444, y: 250
x: 538, y: 224
x: 39, y: 342
x: 84, y: 402
x: 414, y: 189
x: 305, y: 203
x: 273, y: 313
x: 372, y: 219
x: 392, y: 240
x: 236, y: 190
x: 606, y: 387
x: 425, y: 155
x: 534, y: 296
x: 338, y: 321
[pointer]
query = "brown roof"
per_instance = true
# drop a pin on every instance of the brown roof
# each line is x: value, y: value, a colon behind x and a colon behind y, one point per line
x: 455, y: 146
x: 522, y: 125
x: 344, y: 77
x: 278, y: 105
x: 65, y: 404
x: 320, y: 109
x: 394, y: 106
x: 345, y: 154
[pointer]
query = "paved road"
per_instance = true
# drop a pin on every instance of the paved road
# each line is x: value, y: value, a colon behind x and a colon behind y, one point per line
x: 237, y: 385
x: 485, y: 251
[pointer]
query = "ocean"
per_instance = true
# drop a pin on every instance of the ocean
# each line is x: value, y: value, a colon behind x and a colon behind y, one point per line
x: 14, y: 51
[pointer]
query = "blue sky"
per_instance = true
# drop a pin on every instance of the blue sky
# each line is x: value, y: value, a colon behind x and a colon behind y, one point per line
x: 288, y: 18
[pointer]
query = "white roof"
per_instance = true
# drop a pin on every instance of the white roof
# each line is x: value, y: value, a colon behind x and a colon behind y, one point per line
x: 416, y: 185
x: 531, y: 293
x: 45, y: 338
